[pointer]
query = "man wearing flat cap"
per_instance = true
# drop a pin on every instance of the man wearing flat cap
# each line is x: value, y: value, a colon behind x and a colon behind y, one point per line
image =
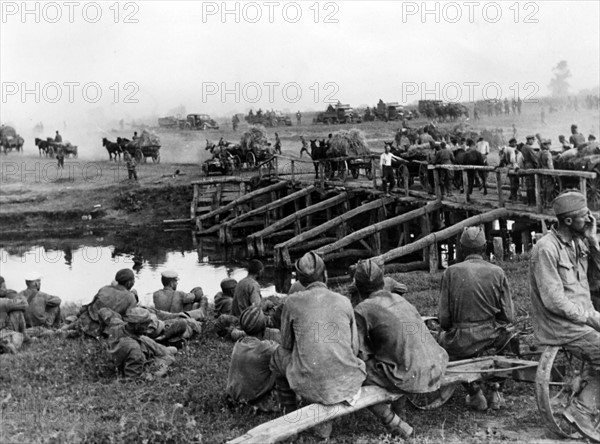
x: 43, y: 309
x: 132, y: 351
x: 117, y: 298
x: 577, y: 139
x: 475, y: 310
x: 400, y: 353
x: 250, y: 379
x: 317, y: 359
x: 224, y: 298
x: 173, y: 301
x: 564, y: 264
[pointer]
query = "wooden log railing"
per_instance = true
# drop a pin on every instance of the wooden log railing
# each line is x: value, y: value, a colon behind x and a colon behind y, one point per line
x: 328, y: 251
x: 538, y: 174
x: 226, y: 228
x: 282, y: 250
x: 431, y: 240
x: 236, y: 203
x: 255, y: 241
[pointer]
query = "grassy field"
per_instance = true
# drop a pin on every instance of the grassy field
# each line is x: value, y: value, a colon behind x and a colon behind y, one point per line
x: 66, y: 391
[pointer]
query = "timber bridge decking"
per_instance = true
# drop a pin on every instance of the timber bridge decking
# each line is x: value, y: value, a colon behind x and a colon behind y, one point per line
x: 281, y: 210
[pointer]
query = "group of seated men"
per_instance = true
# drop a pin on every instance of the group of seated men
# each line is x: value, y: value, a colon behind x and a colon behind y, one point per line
x: 327, y: 350
x: 316, y: 347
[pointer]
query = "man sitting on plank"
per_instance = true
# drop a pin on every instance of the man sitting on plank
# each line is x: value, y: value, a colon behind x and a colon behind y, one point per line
x: 400, y: 353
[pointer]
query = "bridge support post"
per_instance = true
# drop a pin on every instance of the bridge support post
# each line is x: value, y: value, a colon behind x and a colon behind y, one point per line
x: 498, y: 248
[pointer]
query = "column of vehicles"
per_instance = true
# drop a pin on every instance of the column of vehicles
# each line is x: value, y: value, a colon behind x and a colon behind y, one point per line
x: 200, y: 122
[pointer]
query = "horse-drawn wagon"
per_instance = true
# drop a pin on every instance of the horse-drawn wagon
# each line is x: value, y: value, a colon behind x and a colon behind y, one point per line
x: 146, y: 145
x: 10, y: 140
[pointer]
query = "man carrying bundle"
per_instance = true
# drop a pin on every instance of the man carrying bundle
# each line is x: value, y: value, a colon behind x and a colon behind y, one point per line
x: 317, y: 359
x: 564, y: 264
x: 400, y: 353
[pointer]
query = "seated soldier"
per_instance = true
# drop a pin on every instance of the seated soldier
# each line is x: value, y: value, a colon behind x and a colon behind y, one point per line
x: 117, y: 297
x: 44, y: 309
x: 250, y: 380
x: 399, y: 351
x: 475, y: 310
x: 173, y: 301
x: 564, y: 264
x: 247, y: 291
x: 326, y: 369
x: 12, y: 319
x: 132, y: 350
x: 224, y: 298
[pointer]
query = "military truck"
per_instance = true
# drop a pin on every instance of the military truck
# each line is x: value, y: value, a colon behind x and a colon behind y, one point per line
x: 198, y: 122
x: 338, y: 114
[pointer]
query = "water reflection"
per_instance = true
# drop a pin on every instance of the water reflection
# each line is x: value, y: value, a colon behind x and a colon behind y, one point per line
x: 75, y: 269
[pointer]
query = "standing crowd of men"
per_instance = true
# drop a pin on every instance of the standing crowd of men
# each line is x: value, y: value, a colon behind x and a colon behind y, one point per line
x: 314, y: 346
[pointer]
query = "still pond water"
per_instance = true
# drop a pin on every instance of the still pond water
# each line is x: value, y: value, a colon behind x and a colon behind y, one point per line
x: 75, y: 268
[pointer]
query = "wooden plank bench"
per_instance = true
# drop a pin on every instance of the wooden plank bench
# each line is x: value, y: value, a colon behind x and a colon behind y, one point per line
x: 467, y: 370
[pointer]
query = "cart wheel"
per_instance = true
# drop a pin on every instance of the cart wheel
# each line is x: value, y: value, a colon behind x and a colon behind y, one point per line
x: 433, y: 400
x: 557, y: 374
x: 250, y: 159
x: 237, y: 162
x: 369, y: 173
x: 593, y: 191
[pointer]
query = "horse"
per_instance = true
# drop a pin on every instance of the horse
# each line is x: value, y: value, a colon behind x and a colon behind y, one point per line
x: 114, y: 149
x: 317, y: 153
x: 44, y: 147
x: 472, y: 157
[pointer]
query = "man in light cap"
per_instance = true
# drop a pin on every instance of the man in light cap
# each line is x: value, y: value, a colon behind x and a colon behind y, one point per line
x: 250, y: 379
x: 317, y: 359
x: 173, y: 301
x: 224, y: 298
x: 132, y: 351
x: 117, y: 298
x: 400, y: 353
x: 44, y: 309
x: 475, y: 310
x: 564, y: 264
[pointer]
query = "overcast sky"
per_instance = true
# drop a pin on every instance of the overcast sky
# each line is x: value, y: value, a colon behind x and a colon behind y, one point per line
x: 187, y: 53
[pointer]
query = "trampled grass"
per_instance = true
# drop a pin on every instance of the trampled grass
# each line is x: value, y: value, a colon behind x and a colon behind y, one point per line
x: 65, y: 390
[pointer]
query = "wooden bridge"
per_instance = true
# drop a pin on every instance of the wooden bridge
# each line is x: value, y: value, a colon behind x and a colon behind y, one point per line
x: 289, y: 211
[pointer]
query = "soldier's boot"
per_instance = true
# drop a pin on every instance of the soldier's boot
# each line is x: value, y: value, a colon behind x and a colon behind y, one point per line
x: 391, y: 421
x: 583, y: 412
x: 496, y: 400
x: 286, y: 398
x: 475, y: 398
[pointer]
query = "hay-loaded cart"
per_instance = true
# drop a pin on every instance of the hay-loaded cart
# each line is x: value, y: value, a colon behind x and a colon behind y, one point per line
x: 581, y: 162
x: 416, y: 160
x: 557, y: 378
x: 348, y: 154
x: 254, y: 148
x: 147, y: 145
